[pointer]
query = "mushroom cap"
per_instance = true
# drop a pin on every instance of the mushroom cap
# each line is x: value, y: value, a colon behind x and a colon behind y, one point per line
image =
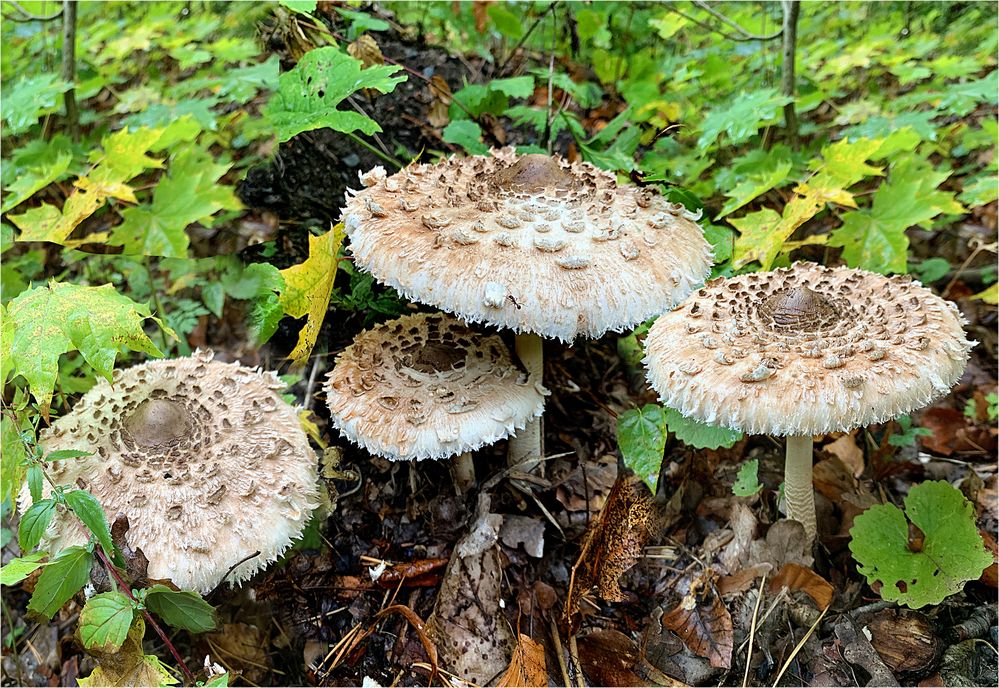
x: 426, y: 386
x: 806, y: 350
x: 205, y: 458
x: 531, y: 243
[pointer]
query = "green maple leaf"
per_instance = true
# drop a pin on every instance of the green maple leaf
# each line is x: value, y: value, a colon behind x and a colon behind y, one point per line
x: 29, y: 98
x: 187, y: 194
x: 34, y: 167
x: 307, y: 97
x: 874, y: 239
x: 41, y: 324
x: 743, y: 118
x: 753, y: 186
x: 920, y: 573
x: 844, y: 163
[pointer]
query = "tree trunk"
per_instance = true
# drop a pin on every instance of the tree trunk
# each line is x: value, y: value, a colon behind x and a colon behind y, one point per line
x: 790, y: 37
x: 69, y: 66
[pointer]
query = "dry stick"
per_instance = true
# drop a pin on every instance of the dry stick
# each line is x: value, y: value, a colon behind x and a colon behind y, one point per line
x: 560, y: 652
x: 752, y: 632
x: 28, y: 16
x: 145, y: 613
x: 68, y: 73
x: 790, y: 33
x: 714, y: 29
x: 801, y: 644
x: 527, y: 34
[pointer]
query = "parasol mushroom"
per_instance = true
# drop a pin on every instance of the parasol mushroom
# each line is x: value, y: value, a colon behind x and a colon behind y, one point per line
x: 426, y: 386
x: 532, y: 243
x: 803, y: 351
x: 207, y: 461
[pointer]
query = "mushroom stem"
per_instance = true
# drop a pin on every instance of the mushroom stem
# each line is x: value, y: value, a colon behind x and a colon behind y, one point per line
x: 527, y: 446
x: 464, y: 472
x: 798, y: 483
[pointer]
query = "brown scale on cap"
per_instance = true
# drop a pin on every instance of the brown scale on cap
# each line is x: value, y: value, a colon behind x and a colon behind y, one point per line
x: 427, y: 386
x: 198, y: 455
x: 532, y: 243
x: 806, y: 350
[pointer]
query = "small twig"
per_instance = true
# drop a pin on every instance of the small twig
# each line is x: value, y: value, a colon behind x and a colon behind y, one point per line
x: 714, y: 29
x: 574, y: 658
x: 527, y: 34
x: 977, y: 246
x: 126, y: 590
x: 28, y: 16
x: 725, y: 20
x: 560, y: 653
x: 310, y: 386
x: 752, y: 632
x: 797, y: 648
x: 231, y: 569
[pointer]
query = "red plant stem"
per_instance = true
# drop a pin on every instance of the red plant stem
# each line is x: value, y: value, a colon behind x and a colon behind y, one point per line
x: 149, y: 619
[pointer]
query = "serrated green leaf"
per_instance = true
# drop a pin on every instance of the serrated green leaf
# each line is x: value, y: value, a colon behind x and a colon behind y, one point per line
x: 45, y: 322
x: 951, y: 554
x: 37, y: 165
x: 697, y: 434
x: 188, y: 193
x: 515, y: 87
x: 29, y: 98
x: 105, y: 620
x: 307, y: 97
x: 754, y: 186
x: 641, y: 437
x: 89, y: 510
x: 128, y: 667
x: 307, y: 289
x: 34, y: 521
x: 747, y: 482
x: 742, y: 118
x: 505, y: 21
x: 61, y: 579
x: 722, y: 240
x: 16, y: 570
x: 63, y: 454
x: 874, y: 239
x: 181, y: 609
x: 36, y: 480
x: 467, y: 134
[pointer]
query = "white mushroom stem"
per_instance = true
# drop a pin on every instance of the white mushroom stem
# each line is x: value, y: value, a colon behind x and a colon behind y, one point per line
x: 464, y: 472
x: 527, y: 446
x: 798, y: 483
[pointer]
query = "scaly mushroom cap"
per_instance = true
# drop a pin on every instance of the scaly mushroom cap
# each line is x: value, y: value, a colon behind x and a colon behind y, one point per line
x: 529, y: 242
x: 806, y: 350
x: 205, y: 459
x: 425, y: 386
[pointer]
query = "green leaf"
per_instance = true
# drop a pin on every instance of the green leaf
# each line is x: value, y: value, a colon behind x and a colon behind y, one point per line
x: 874, y: 239
x: 188, y: 193
x: 45, y: 322
x: 89, y: 510
x: 753, y: 186
x: 16, y: 570
x: 467, y: 134
x: 742, y: 118
x: 308, y: 287
x: 128, y: 667
x: 36, y: 480
x: 37, y: 165
x: 722, y: 240
x: 747, y: 482
x: 61, y: 579
x: 697, y: 434
x: 931, y: 269
x: 29, y: 98
x: 641, y: 437
x: 213, y: 296
x: 105, y: 620
x: 951, y: 554
x: 515, y: 87
x: 361, y: 22
x: 63, y: 454
x: 506, y: 22
x: 220, y: 681
x: 301, y: 6
x: 12, y: 468
x: 34, y: 521
x: 308, y: 95
x: 181, y: 609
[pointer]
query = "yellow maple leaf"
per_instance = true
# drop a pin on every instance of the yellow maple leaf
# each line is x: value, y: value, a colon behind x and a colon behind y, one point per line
x: 308, y: 286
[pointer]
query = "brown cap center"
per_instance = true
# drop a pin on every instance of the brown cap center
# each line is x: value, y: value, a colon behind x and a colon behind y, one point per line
x: 435, y: 358
x: 532, y: 173
x: 799, y: 308
x: 156, y: 422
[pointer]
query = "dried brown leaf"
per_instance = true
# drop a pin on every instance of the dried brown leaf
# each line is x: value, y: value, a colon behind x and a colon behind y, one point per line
x: 366, y: 50
x: 797, y: 577
x: 527, y: 665
x: 440, y: 94
x: 613, y: 543
x: 704, y: 624
x: 845, y: 449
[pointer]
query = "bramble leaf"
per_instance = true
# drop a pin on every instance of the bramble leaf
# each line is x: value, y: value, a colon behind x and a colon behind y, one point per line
x: 16, y: 570
x: 181, y: 609
x: 60, y: 580
x: 34, y: 522
x: 307, y: 97
x: 945, y: 553
x: 105, y: 620
x: 697, y: 434
x: 43, y: 323
x: 89, y: 510
x: 641, y: 437
x: 308, y: 287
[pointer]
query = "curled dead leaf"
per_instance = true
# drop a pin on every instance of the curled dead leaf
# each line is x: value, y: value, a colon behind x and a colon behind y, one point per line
x: 797, y: 577
x: 703, y: 623
x: 527, y: 665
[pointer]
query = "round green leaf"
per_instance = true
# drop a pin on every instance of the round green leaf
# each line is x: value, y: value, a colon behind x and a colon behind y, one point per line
x: 951, y: 552
x: 105, y: 620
